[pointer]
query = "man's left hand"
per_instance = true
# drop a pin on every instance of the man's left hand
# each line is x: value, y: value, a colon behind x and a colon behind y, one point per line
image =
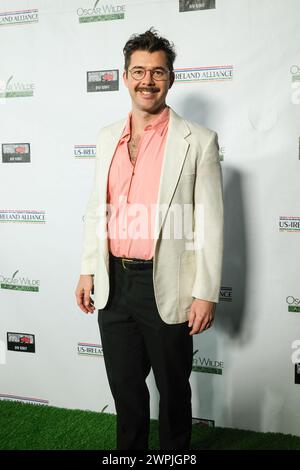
x: 201, y: 315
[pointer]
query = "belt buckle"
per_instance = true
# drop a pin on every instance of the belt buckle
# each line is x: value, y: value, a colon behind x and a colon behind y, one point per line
x: 125, y: 259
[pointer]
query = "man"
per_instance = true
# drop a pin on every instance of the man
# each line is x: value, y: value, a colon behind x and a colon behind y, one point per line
x: 153, y: 289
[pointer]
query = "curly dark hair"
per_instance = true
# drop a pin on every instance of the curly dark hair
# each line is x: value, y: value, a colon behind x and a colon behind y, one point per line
x: 149, y: 41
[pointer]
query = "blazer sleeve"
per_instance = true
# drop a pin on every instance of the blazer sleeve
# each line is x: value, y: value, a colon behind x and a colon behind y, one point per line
x: 91, y: 221
x: 209, y: 223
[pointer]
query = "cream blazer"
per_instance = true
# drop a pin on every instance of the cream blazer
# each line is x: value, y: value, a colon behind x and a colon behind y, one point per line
x: 186, y: 265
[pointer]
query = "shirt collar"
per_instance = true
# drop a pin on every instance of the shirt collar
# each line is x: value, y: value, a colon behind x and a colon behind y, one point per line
x: 158, y: 123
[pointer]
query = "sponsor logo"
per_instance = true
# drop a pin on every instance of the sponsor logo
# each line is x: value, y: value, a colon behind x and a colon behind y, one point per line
x: 84, y: 151
x: 13, y: 89
x: 19, y: 283
x: 204, y: 74
x: 203, y: 364
x: 12, y: 153
x: 222, y: 153
x: 18, y: 17
x: 20, y: 216
x: 192, y: 5
x: 295, y: 73
x: 297, y: 373
x: 101, y: 12
x: 295, y: 84
x: 293, y: 304
x: 33, y: 401
x: 22, y: 342
x: 296, y: 354
x: 289, y: 224
x: 103, y: 80
x: 206, y: 423
x: 88, y: 349
x: 225, y: 294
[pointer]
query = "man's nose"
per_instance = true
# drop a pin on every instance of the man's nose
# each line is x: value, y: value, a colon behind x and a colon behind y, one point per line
x: 148, y: 79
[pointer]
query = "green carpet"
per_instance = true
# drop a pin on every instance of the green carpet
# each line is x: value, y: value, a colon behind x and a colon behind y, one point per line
x: 32, y: 427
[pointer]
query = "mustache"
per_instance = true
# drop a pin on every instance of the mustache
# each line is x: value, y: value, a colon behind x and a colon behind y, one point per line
x: 152, y: 89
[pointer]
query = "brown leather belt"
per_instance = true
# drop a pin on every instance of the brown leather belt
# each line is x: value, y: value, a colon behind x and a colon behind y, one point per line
x: 133, y: 263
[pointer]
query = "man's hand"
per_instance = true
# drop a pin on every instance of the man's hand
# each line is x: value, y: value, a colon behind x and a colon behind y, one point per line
x: 201, y: 315
x: 83, y: 293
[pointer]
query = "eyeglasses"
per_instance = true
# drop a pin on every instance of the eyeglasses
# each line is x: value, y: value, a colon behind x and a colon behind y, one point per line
x: 138, y: 73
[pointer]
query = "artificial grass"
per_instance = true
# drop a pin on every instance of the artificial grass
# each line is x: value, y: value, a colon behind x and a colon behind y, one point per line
x: 31, y: 427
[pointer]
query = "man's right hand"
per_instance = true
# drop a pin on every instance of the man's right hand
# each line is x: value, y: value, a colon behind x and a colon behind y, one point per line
x: 83, y: 293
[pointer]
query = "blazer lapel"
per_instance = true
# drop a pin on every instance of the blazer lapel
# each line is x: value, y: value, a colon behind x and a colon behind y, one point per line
x: 174, y: 156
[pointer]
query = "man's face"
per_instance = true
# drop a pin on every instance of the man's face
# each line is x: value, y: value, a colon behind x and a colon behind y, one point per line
x: 147, y: 94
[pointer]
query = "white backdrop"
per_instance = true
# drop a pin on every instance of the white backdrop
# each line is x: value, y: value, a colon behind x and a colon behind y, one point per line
x: 244, y: 376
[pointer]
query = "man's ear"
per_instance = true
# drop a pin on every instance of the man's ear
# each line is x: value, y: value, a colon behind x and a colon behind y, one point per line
x: 172, y: 79
x: 125, y: 77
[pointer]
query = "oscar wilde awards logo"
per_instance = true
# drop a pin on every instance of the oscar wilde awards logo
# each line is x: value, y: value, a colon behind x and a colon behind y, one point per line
x: 101, y: 12
x: 15, y: 153
x: 103, y: 80
x: 222, y: 152
x: 293, y: 304
x: 295, y: 85
x: 22, y: 283
x: 192, y: 5
x: 207, y: 365
x: 15, y: 89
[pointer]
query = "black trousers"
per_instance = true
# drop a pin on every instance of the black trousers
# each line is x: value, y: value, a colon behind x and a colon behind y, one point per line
x: 134, y: 339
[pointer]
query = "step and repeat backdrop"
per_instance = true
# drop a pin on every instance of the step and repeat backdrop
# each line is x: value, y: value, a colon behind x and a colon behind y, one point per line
x: 238, y: 73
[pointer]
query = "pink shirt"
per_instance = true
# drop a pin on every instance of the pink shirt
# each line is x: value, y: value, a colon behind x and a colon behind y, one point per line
x: 132, y: 190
